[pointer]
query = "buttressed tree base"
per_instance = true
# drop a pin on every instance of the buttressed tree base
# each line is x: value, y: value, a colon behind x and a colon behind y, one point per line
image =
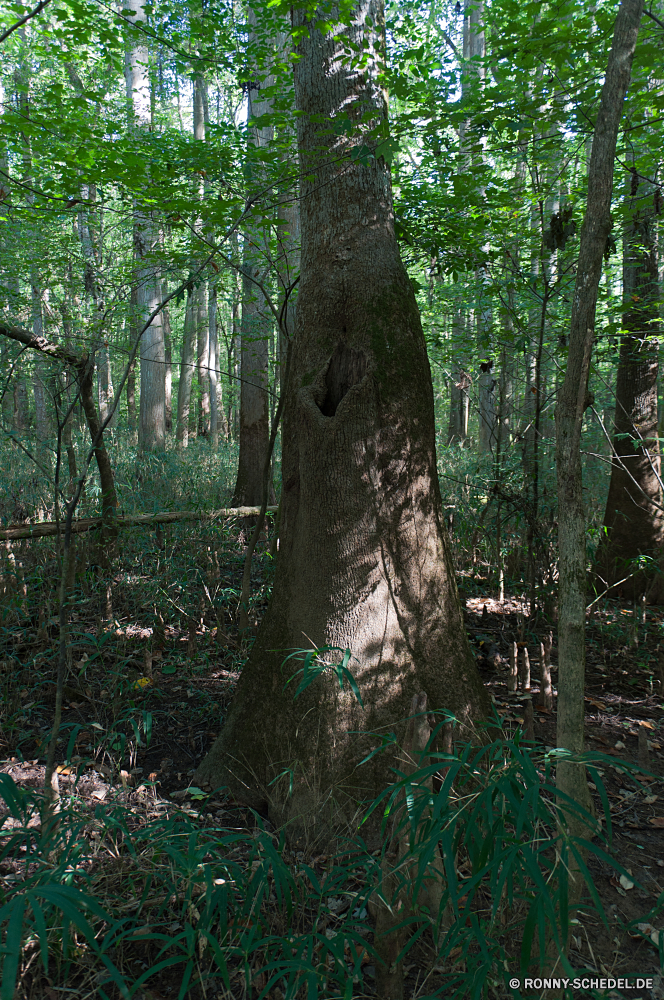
x: 364, y: 561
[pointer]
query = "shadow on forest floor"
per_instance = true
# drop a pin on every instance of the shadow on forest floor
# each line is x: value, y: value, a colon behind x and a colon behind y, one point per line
x: 148, y: 687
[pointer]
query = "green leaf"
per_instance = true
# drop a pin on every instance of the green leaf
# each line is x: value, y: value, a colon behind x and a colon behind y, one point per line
x: 12, y: 948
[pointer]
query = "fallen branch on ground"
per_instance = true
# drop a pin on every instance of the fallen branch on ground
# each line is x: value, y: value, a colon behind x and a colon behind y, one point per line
x: 43, y: 528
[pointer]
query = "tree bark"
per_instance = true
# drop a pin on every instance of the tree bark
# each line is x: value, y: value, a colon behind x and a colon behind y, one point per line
x: 256, y: 328
x: 152, y: 401
x: 473, y: 76
x: 254, y: 431
x: 216, y: 401
x: 573, y: 399
x: 21, y: 409
x: 168, y: 353
x: 201, y: 308
x: 105, y: 381
x: 202, y: 359
x: 186, y: 373
x: 43, y: 426
x: 457, y: 430
x: 633, y: 521
x: 132, y: 423
x: 364, y: 561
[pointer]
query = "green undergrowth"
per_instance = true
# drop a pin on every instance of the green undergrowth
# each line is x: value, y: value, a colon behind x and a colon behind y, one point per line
x: 114, y: 900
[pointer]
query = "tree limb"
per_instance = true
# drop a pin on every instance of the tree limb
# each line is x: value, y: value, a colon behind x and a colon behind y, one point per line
x: 26, y: 17
x: 43, y: 529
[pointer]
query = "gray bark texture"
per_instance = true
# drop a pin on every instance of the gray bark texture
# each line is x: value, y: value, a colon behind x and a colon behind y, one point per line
x: 573, y: 399
x: 152, y: 401
x: 364, y: 561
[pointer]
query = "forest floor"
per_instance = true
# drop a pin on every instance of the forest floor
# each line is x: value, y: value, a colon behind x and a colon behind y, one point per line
x: 145, y: 697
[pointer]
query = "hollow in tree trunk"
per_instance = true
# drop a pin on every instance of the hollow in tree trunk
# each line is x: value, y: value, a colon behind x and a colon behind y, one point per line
x: 364, y: 561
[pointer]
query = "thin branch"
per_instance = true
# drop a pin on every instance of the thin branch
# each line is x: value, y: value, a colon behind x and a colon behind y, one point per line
x: 646, y: 12
x: 612, y: 587
x: 452, y: 45
x: 26, y: 17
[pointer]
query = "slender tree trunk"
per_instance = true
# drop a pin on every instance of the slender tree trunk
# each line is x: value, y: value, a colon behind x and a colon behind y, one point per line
x: 92, y: 258
x: 236, y: 340
x: 105, y: 381
x: 186, y: 373
x: 364, y: 561
x: 202, y: 359
x: 200, y: 291
x: 67, y: 435
x: 131, y: 403
x: 168, y: 353
x: 42, y: 416
x: 40, y: 379
x: 21, y: 408
x: 7, y: 392
x: 487, y: 404
x: 83, y: 366
x: 573, y: 399
x: 487, y: 381
x: 473, y: 76
x: 457, y: 431
x: 634, y: 521
x: 132, y: 422
x: 216, y: 401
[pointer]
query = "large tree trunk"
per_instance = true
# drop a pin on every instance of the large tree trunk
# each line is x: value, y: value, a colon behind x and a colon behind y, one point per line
x: 633, y: 521
x: 364, y: 561
x: 256, y: 330
x: 254, y: 411
x: 288, y: 242
x: 152, y: 402
x: 573, y: 400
